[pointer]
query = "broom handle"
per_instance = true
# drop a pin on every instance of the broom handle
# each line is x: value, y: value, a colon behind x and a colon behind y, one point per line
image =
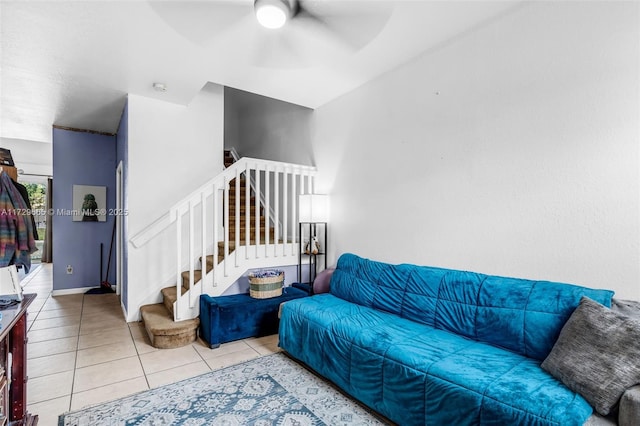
x: 101, y: 260
x: 113, y: 234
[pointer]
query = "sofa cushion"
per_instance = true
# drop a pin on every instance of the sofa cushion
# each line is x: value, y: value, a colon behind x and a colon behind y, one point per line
x: 416, y: 374
x: 521, y: 315
x: 597, y: 354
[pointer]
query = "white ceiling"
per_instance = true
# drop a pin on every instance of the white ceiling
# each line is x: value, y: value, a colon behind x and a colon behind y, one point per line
x: 71, y: 63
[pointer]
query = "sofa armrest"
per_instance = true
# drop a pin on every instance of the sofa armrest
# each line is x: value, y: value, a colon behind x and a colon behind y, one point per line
x: 629, y: 411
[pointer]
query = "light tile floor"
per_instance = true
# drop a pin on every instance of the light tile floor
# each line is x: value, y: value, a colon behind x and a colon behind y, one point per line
x: 82, y: 352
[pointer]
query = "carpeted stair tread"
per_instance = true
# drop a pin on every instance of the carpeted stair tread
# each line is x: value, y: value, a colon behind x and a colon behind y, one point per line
x: 252, y: 230
x: 252, y: 234
x: 232, y: 243
x: 164, y: 311
x: 163, y: 331
x: 197, y: 276
x: 243, y: 198
x: 171, y: 292
x: 243, y: 184
x: 243, y: 206
x: 243, y: 218
x: 169, y: 295
x: 242, y: 213
x: 228, y: 159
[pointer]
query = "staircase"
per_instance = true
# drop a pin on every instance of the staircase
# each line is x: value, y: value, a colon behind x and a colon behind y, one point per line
x: 249, y: 225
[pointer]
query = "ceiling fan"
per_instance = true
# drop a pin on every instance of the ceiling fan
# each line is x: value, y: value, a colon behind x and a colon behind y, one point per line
x: 273, y: 14
x: 280, y: 33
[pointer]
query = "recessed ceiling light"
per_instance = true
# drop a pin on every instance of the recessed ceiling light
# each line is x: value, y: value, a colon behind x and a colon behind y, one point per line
x: 160, y: 87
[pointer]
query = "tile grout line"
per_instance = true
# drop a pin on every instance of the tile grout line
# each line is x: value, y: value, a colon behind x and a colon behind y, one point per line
x: 144, y: 373
x: 87, y: 308
x: 75, y: 360
x: 49, y: 296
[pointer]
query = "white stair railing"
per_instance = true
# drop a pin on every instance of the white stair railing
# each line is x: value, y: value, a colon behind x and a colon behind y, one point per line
x: 206, y: 224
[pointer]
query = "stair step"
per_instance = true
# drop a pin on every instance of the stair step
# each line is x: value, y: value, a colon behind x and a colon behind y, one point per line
x: 243, y: 198
x: 243, y: 213
x: 169, y: 296
x: 232, y: 243
x: 243, y: 206
x: 163, y: 331
x: 243, y: 237
x: 209, y: 260
x: 197, y: 274
x: 232, y: 190
x: 243, y: 229
x: 232, y: 248
x: 228, y: 159
x: 252, y: 226
x: 243, y: 222
x: 243, y: 217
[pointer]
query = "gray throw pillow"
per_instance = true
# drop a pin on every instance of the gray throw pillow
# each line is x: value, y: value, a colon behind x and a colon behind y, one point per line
x: 597, y: 354
x: 630, y: 308
x: 322, y: 283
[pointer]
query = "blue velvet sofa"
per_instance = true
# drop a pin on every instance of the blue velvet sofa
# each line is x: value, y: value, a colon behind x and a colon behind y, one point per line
x: 424, y: 345
x: 228, y: 318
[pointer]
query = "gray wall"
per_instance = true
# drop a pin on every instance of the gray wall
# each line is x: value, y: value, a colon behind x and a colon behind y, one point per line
x: 261, y: 127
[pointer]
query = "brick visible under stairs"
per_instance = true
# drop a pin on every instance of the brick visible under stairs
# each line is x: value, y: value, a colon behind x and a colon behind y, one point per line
x: 163, y: 331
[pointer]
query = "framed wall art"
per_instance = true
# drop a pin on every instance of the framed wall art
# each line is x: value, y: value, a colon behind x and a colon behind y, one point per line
x: 89, y: 203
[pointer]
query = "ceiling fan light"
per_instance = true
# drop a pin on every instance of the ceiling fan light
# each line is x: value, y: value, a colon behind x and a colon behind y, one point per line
x: 272, y: 14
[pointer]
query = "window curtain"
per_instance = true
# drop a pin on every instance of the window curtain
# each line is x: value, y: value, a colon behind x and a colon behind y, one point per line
x: 47, y: 252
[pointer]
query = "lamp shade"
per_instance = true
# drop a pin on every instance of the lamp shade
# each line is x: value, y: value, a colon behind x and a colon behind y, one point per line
x: 313, y: 208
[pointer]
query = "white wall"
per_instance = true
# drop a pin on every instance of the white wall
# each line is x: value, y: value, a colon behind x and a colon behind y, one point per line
x: 173, y: 150
x: 513, y: 150
x: 30, y: 156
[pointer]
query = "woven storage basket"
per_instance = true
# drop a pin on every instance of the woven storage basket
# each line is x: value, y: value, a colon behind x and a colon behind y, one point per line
x: 266, y: 284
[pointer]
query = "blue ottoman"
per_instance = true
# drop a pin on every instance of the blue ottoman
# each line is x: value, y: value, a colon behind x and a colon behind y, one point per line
x: 227, y: 318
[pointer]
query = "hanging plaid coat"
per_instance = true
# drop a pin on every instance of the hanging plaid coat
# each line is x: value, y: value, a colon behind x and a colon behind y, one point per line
x: 16, y: 230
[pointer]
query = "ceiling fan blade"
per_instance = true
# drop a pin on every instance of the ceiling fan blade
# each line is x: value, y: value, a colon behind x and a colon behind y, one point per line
x: 320, y: 31
x: 352, y: 23
x: 280, y: 50
x: 201, y: 21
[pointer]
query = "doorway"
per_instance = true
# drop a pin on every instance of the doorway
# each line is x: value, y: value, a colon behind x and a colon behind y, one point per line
x: 37, y: 190
x: 119, y: 228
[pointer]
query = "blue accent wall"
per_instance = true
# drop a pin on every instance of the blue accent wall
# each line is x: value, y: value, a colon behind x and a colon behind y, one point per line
x: 81, y: 158
x: 122, y: 154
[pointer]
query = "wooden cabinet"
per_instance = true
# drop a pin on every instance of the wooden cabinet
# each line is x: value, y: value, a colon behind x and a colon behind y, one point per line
x: 11, y: 171
x: 13, y: 364
x: 4, y: 399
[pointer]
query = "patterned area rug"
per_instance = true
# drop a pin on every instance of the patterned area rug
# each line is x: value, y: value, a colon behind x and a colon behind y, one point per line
x: 272, y: 390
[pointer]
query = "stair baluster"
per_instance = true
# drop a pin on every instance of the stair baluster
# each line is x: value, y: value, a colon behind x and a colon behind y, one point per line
x: 270, y: 192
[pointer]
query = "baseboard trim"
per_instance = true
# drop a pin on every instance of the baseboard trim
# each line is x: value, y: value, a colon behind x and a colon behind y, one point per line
x: 66, y: 292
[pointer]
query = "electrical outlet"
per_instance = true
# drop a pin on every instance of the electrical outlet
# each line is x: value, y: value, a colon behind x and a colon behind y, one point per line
x: 69, y: 269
